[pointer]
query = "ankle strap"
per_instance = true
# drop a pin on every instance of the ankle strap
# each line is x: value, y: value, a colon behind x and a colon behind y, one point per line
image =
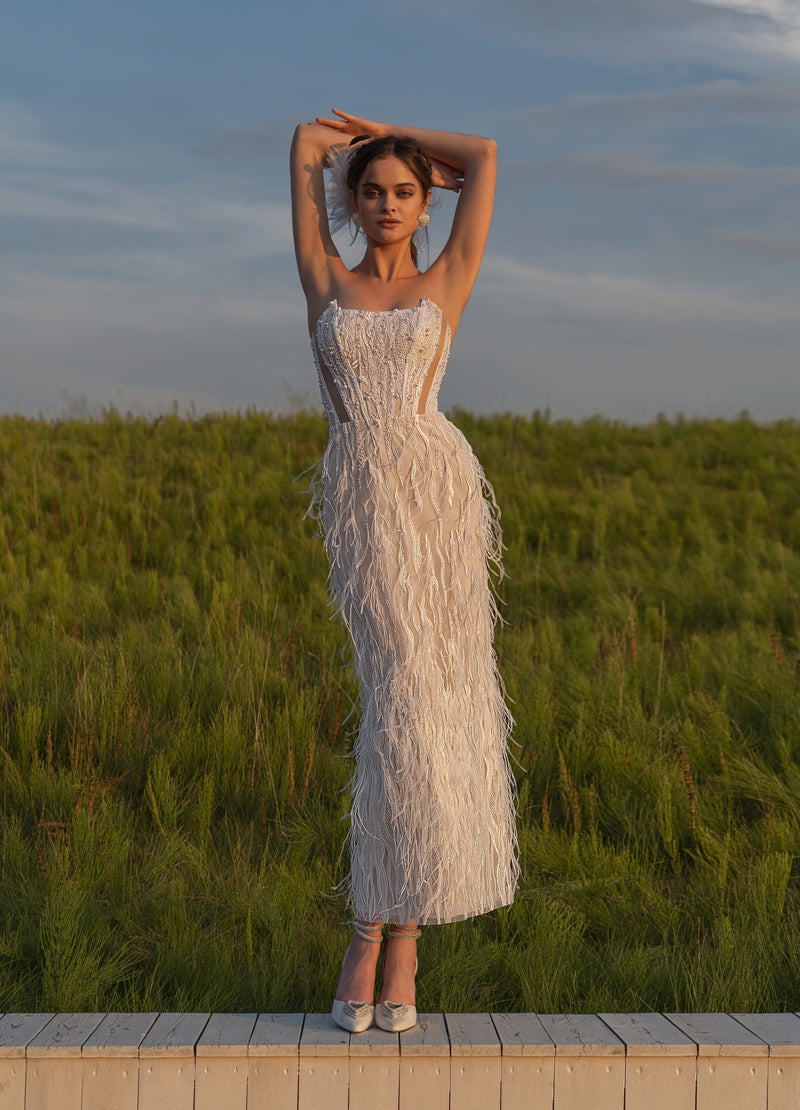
x: 408, y: 932
x: 361, y: 927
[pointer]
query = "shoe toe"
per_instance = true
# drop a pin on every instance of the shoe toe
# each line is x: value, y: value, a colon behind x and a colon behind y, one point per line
x: 395, y: 1017
x: 351, y: 1015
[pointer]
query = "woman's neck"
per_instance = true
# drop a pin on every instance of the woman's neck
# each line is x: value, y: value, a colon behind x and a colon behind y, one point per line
x: 386, y: 264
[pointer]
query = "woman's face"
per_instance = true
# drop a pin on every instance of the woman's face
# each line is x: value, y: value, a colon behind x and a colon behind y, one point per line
x: 389, y: 200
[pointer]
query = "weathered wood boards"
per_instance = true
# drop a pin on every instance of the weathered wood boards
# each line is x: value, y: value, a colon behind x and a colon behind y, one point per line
x: 167, y: 1062
x: 425, y: 1065
x: 111, y: 1062
x: 781, y: 1032
x: 17, y: 1031
x: 660, y: 1062
x: 475, y: 1069
x: 528, y: 1062
x: 448, y: 1062
x: 54, y: 1070
x: 272, y: 1061
x: 590, y: 1062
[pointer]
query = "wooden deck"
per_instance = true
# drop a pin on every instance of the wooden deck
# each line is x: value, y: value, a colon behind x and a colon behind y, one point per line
x: 448, y: 1062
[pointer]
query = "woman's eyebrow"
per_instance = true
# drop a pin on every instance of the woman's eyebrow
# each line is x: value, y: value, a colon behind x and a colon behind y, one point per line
x: 398, y: 185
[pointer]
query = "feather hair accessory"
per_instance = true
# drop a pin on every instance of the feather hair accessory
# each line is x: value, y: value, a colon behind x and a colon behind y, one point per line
x: 340, y: 214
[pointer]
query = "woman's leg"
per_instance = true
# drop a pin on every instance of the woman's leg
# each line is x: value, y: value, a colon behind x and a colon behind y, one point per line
x: 357, y: 980
x: 400, y: 964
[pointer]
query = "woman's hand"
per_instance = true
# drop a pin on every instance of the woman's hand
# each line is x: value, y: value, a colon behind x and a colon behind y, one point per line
x: 353, y: 125
x: 445, y: 177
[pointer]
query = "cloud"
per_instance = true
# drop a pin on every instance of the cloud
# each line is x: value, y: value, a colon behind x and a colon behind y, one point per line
x: 579, y: 23
x: 737, y: 35
x: 629, y: 299
x: 612, y: 16
x: 625, y: 344
x: 145, y: 347
x: 685, y: 104
x: 179, y: 288
x: 23, y: 140
x: 641, y: 168
x: 778, y: 247
x: 268, y: 140
x: 178, y: 212
x: 81, y: 212
x: 781, y: 30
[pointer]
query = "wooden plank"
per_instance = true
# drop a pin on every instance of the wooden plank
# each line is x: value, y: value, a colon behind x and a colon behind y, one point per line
x: 719, y: 1035
x: 374, y: 1069
x: 528, y: 1065
x: 475, y: 1062
x: 522, y: 1035
x: 661, y: 1064
x: 221, y: 1062
x: 16, y: 1030
x: 53, y: 1071
x: 783, y: 1083
x: 167, y: 1063
x: 589, y: 1063
x: 782, y: 1035
x: 472, y: 1035
x: 649, y: 1035
x: 427, y: 1038
x: 324, y: 1064
x: 661, y: 1082
x: 425, y: 1065
x: 272, y: 1061
x: 111, y: 1062
x: 118, y: 1035
x: 226, y: 1035
x: 581, y: 1035
x: 63, y: 1036
x: 173, y: 1035
x: 276, y: 1035
x: 732, y: 1065
x: 781, y: 1032
x: 323, y: 1037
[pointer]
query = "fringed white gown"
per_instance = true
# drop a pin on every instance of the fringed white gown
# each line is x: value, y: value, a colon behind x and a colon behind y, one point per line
x: 410, y: 526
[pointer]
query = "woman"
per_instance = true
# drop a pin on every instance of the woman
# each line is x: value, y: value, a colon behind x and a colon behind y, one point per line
x: 409, y: 530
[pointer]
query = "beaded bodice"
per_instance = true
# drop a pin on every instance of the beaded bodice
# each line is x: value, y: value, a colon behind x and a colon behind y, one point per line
x: 375, y: 366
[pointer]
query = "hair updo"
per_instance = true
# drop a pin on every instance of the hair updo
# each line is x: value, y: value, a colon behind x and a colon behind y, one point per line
x: 409, y: 152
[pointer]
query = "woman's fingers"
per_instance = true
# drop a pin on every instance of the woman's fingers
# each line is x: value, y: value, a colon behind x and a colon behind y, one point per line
x: 445, y: 177
x: 351, y: 125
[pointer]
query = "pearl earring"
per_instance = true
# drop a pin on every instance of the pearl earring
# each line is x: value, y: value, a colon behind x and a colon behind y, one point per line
x: 424, y: 219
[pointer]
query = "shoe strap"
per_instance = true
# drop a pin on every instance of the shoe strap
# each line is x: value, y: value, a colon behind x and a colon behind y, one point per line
x: 405, y: 932
x: 361, y: 927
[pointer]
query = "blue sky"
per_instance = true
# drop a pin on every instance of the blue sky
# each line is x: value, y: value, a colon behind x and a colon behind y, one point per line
x: 645, y: 253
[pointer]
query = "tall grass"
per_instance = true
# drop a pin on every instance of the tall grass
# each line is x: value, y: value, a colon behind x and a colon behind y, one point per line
x: 175, y: 719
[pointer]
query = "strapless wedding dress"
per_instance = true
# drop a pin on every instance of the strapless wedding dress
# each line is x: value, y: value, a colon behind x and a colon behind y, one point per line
x: 410, y: 528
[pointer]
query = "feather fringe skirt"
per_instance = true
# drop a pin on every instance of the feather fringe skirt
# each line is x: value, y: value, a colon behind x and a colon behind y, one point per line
x: 411, y: 529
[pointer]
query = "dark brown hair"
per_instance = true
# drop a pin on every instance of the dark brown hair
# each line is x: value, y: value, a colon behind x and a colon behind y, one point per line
x: 407, y: 150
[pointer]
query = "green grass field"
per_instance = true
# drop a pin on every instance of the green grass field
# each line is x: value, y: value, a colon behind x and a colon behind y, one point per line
x: 174, y: 719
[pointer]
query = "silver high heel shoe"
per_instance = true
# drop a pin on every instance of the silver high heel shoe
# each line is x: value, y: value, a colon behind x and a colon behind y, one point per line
x: 356, y: 1017
x: 395, y: 1017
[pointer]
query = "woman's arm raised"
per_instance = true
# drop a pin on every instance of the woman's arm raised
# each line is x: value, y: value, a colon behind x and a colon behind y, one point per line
x: 317, y: 257
x: 467, y: 164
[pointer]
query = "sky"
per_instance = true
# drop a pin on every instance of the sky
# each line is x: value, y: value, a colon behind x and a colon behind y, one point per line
x: 644, y: 256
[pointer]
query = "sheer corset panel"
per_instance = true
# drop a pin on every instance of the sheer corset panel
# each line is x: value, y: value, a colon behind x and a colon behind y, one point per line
x: 378, y: 365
